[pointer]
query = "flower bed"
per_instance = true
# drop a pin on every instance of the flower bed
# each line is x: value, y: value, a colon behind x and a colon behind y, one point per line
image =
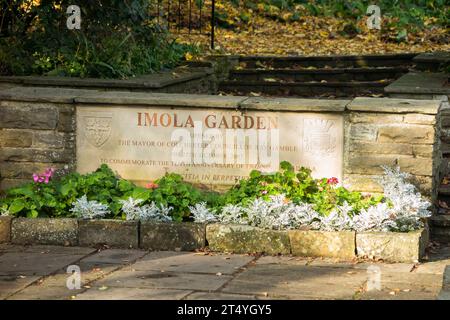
x: 282, y: 200
x: 264, y: 206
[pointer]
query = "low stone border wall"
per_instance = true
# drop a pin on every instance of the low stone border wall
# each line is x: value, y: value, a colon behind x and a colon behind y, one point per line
x: 445, y: 291
x: 343, y: 245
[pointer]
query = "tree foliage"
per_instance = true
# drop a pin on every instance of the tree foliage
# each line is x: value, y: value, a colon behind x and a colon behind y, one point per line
x: 117, y: 39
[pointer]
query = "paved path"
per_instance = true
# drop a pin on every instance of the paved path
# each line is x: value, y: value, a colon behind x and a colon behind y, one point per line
x: 39, y: 272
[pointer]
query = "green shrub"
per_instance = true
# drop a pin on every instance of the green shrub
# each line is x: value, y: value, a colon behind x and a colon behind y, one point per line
x: 55, y: 198
x: 300, y: 187
x: 117, y: 39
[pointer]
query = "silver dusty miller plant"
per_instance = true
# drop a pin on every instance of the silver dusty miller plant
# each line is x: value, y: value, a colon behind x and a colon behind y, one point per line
x: 277, y: 213
x: 408, y: 206
x: 84, y: 209
x: 202, y: 214
x: 403, y: 211
x: 149, y: 212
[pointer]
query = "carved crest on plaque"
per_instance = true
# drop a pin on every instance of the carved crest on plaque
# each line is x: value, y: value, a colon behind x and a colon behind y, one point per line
x: 97, y: 128
x: 319, y: 137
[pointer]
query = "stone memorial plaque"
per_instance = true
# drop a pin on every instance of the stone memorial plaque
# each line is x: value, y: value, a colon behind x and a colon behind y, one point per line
x: 212, y: 147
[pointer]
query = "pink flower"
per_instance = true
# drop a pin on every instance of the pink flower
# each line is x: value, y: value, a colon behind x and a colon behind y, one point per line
x: 151, y: 185
x: 333, y: 181
x: 264, y: 192
x: 44, y: 177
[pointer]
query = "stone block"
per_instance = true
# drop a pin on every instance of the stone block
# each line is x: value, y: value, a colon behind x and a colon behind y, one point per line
x: 362, y: 183
x: 414, y: 134
x: 392, y: 246
x: 369, y: 164
x: 423, y: 150
x: 417, y: 118
x: 5, y: 229
x: 51, y: 231
x: 48, y: 139
x: 172, y: 236
x: 29, y: 116
x: 309, y: 243
x: 114, y: 233
x: 382, y: 148
x: 36, y: 155
x: 416, y: 166
x: 246, y: 239
x: 365, y: 132
x: 445, y: 292
x: 16, y: 138
x: 66, y: 121
x: 365, y: 117
x: 24, y: 170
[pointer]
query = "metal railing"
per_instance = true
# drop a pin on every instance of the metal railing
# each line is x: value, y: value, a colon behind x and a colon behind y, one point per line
x: 186, y: 16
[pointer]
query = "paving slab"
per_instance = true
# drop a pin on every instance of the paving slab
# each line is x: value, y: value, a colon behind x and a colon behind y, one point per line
x: 390, y: 294
x: 25, y: 263
x: 12, y: 284
x: 57, y: 250
x: 43, y: 292
x: 283, y: 260
x: 89, y: 273
x: 436, y: 267
x: 163, y: 280
x: 191, y: 262
x: 135, y: 294
x: 287, y: 280
x: 218, y: 296
x: 6, y: 247
x: 115, y: 256
x: 39, y: 272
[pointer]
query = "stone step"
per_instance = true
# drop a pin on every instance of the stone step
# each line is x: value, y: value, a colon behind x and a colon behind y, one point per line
x: 419, y: 85
x: 442, y: 221
x: 431, y: 61
x: 440, y: 234
x: 303, y: 89
x: 329, y: 75
x: 444, y: 190
x: 292, y: 62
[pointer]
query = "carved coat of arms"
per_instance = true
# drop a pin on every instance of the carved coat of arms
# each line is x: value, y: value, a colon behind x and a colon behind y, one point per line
x: 318, y: 137
x: 97, y: 128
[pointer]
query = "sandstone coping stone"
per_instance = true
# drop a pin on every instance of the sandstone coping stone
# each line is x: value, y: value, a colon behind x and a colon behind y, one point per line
x: 50, y: 231
x: 172, y: 236
x: 114, y: 233
x: 312, y: 243
x: 393, y: 246
x: 390, y: 105
x: 154, y: 80
x: 5, y: 229
x: 246, y: 239
x: 160, y: 99
x: 80, y: 96
x: 292, y: 104
x: 40, y: 94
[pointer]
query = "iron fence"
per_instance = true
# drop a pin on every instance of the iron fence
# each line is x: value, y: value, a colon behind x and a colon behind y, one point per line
x: 186, y: 16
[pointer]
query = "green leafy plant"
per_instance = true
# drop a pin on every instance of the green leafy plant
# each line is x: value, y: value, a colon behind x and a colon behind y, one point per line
x: 54, y: 197
x: 117, y: 39
x: 299, y: 187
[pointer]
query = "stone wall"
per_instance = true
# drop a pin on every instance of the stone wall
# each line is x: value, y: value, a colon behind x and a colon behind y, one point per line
x: 37, y: 130
x: 33, y: 137
x: 392, y: 132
